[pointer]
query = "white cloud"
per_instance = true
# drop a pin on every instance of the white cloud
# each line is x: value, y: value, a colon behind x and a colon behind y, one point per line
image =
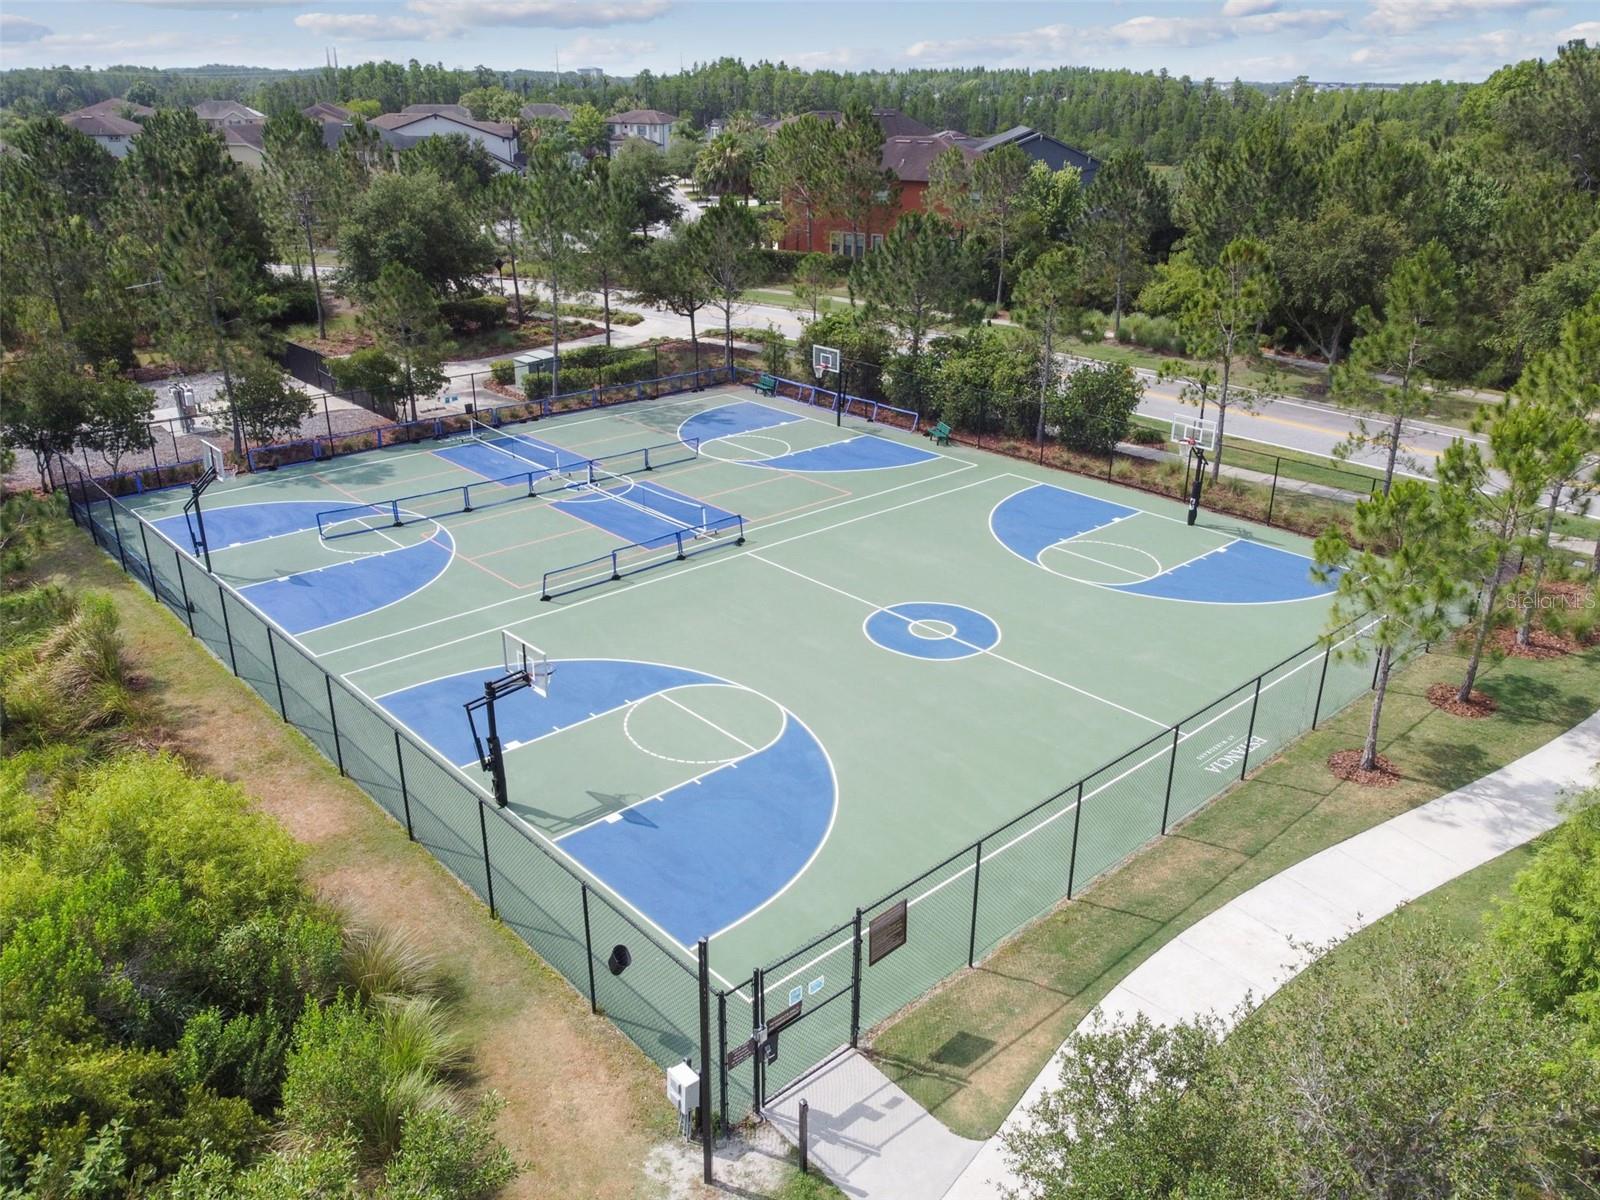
x: 1066, y: 43
x: 21, y: 29
x: 1408, y: 16
x: 1248, y: 8
x: 844, y: 58
x: 367, y: 27
x: 554, y: 14
x: 111, y: 44
x: 1589, y: 31
x: 589, y: 51
x: 1473, y: 57
x: 233, y: 6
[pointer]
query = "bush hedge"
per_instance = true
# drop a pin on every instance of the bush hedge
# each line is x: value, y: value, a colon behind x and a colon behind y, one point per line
x: 473, y: 313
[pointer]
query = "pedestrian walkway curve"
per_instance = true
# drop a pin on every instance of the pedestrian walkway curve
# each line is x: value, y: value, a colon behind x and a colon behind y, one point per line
x: 876, y: 1142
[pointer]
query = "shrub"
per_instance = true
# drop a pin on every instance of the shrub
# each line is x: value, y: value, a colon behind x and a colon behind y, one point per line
x: 388, y: 962
x: 369, y: 370
x: 287, y: 301
x: 1094, y: 407
x: 1154, y: 333
x: 601, y: 366
x: 503, y: 370
x: 473, y: 313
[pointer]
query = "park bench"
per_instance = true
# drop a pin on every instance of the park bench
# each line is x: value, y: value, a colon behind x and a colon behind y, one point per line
x: 767, y: 385
x: 940, y: 434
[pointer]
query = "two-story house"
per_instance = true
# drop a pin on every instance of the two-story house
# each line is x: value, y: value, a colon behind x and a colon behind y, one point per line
x: 113, y: 123
x: 647, y: 123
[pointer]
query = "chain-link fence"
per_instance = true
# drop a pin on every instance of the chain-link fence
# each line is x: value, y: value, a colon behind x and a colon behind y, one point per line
x: 649, y: 990
x: 797, y: 1012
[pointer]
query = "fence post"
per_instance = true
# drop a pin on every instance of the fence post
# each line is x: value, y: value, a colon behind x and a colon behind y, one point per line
x: 1172, y: 766
x: 757, y: 1020
x: 150, y: 563
x: 707, y: 1137
x: 977, y: 874
x: 272, y: 653
x: 855, y: 982
x: 405, y: 795
x: 227, y: 630
x: 1072, y: 859
x: 1272, y: 497
x: 183, y: 584
x: 488, y: 871
x: 333, y: 719
x: 588, y: 946
x: 805, y: 1136
x: 722, y: 1057
x: 1316, y: 708
x: 116, y: 529
x: 1250, y: 732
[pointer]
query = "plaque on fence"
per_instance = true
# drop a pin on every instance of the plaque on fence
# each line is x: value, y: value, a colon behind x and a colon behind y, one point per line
x: 741, y: 1052
x: 785, y: 1018
x: 886, y: 934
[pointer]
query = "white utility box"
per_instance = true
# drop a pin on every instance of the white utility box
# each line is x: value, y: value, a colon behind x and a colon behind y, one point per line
x: 683, y: 1088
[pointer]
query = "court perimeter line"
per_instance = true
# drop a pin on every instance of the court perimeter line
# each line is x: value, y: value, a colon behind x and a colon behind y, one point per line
x: 877, y: 608
x: 710, y: 562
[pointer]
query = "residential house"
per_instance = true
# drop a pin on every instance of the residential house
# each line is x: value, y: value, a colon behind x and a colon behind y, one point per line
x: 546, y: 112
x: 245, y: 144
x: 440, y: 110
x: 325, y: 113
x: 909, y: 157
x: 113, y: 133
x: 592, y: 72
x: 218, y: 113
x: 402, y: 129
x: 1041, y: 147
x: 892, y: 121
x: 118, y: 107
x: 647, y: 123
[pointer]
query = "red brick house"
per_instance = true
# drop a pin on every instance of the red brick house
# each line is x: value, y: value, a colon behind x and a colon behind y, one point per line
x: 909, y: 150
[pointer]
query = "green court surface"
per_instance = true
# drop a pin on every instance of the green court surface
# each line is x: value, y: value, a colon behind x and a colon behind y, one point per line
x: 911, y: 646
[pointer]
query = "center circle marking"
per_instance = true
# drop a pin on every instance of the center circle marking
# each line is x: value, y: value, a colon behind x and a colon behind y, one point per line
x: 932, y: 630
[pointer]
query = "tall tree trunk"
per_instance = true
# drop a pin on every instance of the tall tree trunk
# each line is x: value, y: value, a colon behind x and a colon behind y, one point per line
x: 605, y: 302
x: 1525, y: 630
x: 1485, y: 621
x: 47, y: 246
x: 1047, y: 370
x: 555, y: 337
x: 1222, y: 417
x: 316, y: 281
x: 694, y: 342
x: 727, y: 334
x: 1116, y: 310
x: 227, y: 368
x: 516, y: 284
x: 1000, y: 272
x: 1394, y: 449
x: 1369, y: 751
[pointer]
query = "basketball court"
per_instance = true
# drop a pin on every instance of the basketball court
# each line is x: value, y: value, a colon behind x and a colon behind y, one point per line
x: 846, y: 650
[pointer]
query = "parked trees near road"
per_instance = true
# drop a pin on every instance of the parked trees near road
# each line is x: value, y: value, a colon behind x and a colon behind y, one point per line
x: 554, y: 220
x: 726, y: 244
x: 1400, y: 359
x: 1220, y: 310
x: 1049, y: 292
x: 302, y: 185
x: 670, y: 277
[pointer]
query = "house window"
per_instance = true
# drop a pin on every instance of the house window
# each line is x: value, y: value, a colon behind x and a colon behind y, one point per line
x: 851, y: 245
x: 877, y: 240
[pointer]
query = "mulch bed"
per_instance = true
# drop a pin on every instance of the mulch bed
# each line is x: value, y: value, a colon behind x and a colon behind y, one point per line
x: 1443, y: 697
x: 1346, y: 764
x: 1541, y: 644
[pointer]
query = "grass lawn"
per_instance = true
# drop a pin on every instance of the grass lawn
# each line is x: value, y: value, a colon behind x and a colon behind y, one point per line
x: 584, y: 1107
x: 968, y: 1051
x: 1292, y: 464
x: 784, y: 298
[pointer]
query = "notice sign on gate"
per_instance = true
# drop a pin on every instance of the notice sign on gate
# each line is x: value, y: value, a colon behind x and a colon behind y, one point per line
x: 886, y: 934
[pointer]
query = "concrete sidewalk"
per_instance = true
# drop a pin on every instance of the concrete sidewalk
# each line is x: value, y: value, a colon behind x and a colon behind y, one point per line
x: 876, y: 1142
x: 1257, y: 942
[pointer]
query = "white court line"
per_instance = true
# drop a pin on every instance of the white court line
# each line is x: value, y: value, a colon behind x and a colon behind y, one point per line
x: 710, y: 562
x: 1099, y: 562
x: 702, y: 717
x: 1000, y: 657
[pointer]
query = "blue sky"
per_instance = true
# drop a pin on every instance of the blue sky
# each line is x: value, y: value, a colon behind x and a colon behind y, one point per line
x: 1352, y: 40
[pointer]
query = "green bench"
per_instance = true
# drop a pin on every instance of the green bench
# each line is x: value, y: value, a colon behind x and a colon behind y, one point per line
x: 767, y: 385
x: 940, y: 434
